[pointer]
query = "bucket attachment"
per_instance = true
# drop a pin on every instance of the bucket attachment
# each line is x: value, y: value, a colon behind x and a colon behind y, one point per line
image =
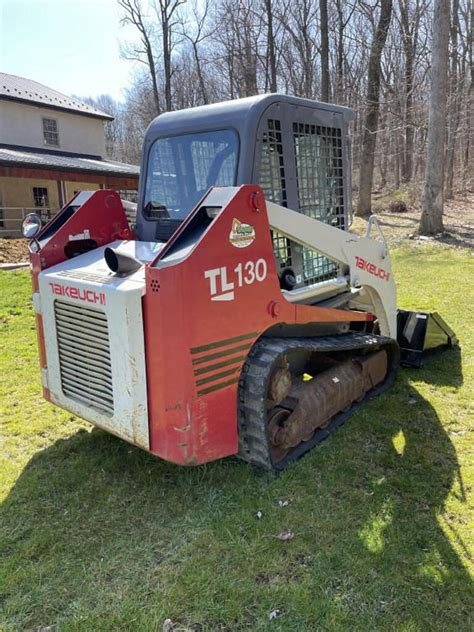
x: 421, y: 334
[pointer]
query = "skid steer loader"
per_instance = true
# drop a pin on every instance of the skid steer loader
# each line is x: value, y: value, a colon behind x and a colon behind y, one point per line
x: 237, y: 315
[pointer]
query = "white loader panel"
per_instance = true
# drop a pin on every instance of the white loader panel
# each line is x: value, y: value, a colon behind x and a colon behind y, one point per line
x: 367, y: 260
x: 93, y: 328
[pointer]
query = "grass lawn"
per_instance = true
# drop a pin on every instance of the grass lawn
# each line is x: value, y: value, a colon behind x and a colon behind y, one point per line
x: 98, y: 535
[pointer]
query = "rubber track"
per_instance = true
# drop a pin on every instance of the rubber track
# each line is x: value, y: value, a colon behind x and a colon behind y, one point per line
x: 253, y: 386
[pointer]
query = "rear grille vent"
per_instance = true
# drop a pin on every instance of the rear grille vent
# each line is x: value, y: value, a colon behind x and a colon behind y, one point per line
x: 87, y: 276
x: 84, y: 355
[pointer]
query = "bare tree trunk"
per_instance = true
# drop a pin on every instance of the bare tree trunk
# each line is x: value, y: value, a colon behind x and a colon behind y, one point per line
x: 166, y: 35
x: 300, y: 29
x: 154, y: 81
x: 467, y: 176
x: 468, y: 101
x: 455, y: 103
x: 308, y: 63
x: 133, y: 15
x: 431, y: 221
x: 384, y: 153
x: 399, y: 155
x: 366, y: 174
x: 323, y: 14
x: 165, y: 11
x: 409, y: 37
x: 196, y: 37
x: 244, y: 34
x: 398, y: 151
x: 339, y: 87
x: 202, y: 84
x: 271, y: 46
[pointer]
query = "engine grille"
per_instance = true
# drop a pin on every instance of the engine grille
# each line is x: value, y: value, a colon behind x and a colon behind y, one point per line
x: 84, y: 355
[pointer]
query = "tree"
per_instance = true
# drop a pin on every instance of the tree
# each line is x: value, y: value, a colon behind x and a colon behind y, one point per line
x: 342, y: 22
x: 271, y: 47
x: 113, y: 130
x: 199, y: 35
x: 212, y: 50
x: 134, y: 15
x: 409, y: 21
x: 431, y: 221
x: 166, y: 11
x: 455, y: 97
x: 323, y: 16
x: 469, y: 142
x: 366, y: 173
x: 300, y: 50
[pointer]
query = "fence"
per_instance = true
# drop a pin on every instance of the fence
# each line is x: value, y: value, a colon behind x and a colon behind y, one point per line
x: 11, y: 218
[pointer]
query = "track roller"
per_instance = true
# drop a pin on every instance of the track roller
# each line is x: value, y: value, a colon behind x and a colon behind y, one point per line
x: 294, y: 392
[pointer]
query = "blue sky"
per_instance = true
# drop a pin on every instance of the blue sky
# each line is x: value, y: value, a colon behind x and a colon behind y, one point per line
x: 69, y: 45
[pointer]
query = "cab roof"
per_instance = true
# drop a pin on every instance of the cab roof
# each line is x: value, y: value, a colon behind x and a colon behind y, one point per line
x: 238, y: 114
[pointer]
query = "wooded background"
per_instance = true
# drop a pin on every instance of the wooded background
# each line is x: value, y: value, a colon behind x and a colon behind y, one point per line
x: 374, y: 57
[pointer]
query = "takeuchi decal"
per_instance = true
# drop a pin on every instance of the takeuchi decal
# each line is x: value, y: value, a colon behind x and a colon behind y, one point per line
x: 241, y: 235
x: 89, y: 296
x: 371, y: 268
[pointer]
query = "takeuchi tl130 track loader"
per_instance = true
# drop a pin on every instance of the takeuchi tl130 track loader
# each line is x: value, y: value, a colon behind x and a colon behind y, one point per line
x: 237, y: 315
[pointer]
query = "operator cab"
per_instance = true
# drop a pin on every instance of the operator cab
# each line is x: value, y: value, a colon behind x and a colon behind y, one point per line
x: 296, y: 149
x: 180, y: 171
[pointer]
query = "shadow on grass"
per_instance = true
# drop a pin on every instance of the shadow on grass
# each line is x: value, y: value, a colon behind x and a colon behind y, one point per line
x: 101, y: 535
x: 443, y: 368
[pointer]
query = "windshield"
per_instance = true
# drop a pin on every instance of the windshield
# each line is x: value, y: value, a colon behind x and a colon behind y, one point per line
x: 182, y: 168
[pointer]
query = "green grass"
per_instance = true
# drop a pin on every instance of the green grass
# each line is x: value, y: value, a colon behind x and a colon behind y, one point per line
x: 98, y: 535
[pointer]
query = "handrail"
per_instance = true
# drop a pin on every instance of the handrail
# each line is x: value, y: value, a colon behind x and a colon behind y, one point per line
x: 11, y: 217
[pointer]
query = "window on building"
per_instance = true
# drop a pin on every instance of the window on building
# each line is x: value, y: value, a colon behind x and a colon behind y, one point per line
x: 50, y: 132
x: 41, y: 197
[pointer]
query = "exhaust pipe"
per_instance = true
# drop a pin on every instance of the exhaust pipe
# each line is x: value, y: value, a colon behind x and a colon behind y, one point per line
x: 120, y: 263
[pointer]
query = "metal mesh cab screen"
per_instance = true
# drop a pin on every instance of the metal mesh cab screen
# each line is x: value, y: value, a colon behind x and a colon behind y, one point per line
x: 319, y: 172
x: 320, y: 184
x: 84, y: 355
x: 273, y: 182
x: 314, y: 155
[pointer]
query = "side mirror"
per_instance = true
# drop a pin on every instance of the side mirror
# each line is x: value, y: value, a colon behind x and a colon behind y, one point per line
x: 31, y: 225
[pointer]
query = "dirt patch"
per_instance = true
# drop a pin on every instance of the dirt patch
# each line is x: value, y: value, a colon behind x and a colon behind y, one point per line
x: 397, y: 206
x: 13, y: 250
x: 458, y: 223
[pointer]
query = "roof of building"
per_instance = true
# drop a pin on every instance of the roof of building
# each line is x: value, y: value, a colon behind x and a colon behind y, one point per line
x: 64, y: 162
x: 15, y: 88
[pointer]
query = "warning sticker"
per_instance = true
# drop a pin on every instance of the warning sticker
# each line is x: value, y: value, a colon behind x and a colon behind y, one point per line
x: 241, y: 235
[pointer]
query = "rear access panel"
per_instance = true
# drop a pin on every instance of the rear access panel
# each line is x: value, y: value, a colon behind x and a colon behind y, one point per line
x: 93, y: 332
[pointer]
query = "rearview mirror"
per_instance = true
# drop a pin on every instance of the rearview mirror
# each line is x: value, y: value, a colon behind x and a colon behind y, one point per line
x: 31, y: 225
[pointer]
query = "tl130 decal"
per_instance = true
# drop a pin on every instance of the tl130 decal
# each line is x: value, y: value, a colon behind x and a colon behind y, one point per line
x: 222, y: 283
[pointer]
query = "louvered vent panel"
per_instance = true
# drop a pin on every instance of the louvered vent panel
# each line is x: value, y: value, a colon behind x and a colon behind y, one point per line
x: 84, y: 355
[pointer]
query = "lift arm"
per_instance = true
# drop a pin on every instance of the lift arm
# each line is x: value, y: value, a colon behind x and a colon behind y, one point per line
x: 366, y: 260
